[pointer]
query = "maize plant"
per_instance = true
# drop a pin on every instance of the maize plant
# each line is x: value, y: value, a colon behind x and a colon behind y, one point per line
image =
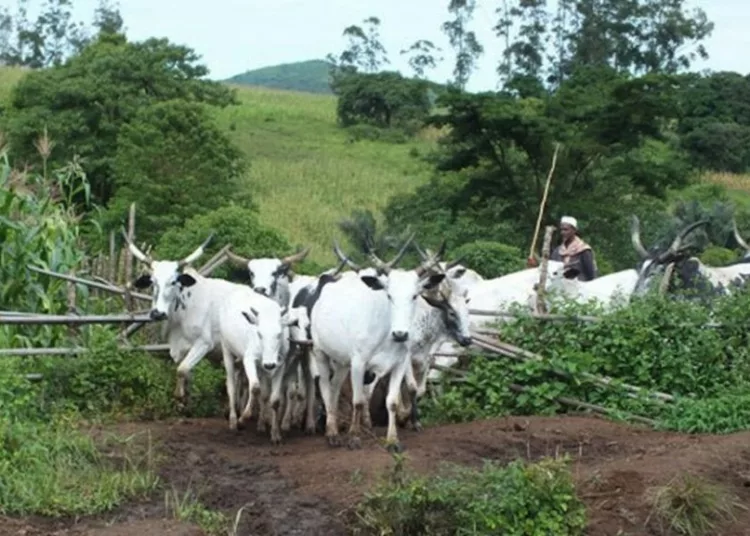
x: 39, y: 226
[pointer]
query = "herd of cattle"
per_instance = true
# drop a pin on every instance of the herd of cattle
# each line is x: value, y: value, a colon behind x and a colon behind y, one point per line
x: 297, y: 337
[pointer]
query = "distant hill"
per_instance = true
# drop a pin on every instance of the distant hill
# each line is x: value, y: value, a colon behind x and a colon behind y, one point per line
x: 309, y: 76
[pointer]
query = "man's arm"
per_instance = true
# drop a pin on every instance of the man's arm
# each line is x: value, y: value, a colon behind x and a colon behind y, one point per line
x: 587, y: 265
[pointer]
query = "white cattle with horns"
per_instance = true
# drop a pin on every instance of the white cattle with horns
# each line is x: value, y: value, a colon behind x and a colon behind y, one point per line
x: 202, y: 313
x: 362, y: 324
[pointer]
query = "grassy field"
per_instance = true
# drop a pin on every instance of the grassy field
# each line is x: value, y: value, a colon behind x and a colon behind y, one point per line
x: 304, y: 171
x: 730, y: 181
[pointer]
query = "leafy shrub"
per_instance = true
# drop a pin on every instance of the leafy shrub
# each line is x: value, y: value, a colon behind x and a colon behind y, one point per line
x: 717, y: 256
x: 659, y: 345
x: 232, y: 224
x: 519, y: 499
x: 491, y: 259
x: 175, y: 163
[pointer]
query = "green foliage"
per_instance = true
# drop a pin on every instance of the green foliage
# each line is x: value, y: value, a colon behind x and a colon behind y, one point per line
x: 38, y: 226
x: 232, y: 224
x: 519, y: 499
x: 85, y: 102
x: 718, y: 256
x: 174, y: 163
x: 490, y: 259
x: 384, y: 99
x: 308, y: 76
x: 654, y: 344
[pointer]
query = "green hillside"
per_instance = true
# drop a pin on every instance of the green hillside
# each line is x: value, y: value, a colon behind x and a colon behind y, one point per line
x: 308, y: 76
x: 304, y: 171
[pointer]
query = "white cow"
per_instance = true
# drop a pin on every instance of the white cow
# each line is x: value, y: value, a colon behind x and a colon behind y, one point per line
x: 202, y: 313
x: 497, y: 294
x: 610, y: 291
x: 270, y: 276
x: 356, y: 328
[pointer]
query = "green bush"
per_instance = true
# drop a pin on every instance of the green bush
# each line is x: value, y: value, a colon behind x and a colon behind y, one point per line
x: 717, y: 256
x: 174, y: 163
x: 490, y: 259
x: 232, y: 224
x: 517, y: 500
x: 659, y: 345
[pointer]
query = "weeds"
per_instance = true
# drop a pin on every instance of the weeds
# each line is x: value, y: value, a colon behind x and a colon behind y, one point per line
x: 690, y: 506
x: 186, y: 507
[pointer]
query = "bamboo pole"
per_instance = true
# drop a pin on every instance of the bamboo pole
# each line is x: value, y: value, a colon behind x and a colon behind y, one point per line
x: 129, y: 259
x: 65, y: 319
x: 112, y: 273
x: 544, y: 202
x: 26, y: 352
x: 541, y: 287
x: 93, y: 284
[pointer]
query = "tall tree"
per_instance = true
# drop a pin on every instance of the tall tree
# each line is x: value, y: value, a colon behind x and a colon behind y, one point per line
x: 364, y: 51
x: 422, y: 56
x: 464, y: 41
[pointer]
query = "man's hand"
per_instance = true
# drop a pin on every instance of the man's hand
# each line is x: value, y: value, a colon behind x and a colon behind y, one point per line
x: 531, y: 262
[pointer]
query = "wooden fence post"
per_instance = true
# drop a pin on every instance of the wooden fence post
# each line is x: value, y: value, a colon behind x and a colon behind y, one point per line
x: 129, y: 259
x: 541, y: 306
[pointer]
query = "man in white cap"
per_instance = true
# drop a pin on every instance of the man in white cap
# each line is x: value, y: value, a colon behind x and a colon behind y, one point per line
x: 576, y: 255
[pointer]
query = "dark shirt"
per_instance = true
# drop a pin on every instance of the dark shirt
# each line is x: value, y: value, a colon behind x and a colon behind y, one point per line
x: 581, y: 265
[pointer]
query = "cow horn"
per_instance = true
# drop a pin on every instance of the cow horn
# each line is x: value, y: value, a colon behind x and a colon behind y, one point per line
x: 344, y: 259
x: 432, y: 261
x: 376, y: 261
x: 454, y: 263
x: 195, y: 254
x: 395, y: 260
x: 421, y: 252
x: 635, y: 237
x: 677, y: 243
x: 137, y: 253
x: 738, y: 238
x: 295, y: 257
x: 236, y: 259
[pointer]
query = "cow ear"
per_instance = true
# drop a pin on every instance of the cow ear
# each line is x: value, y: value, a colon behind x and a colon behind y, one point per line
x: 186, y: 280
x: 438, y: 304
x: 458, y: 274
x: 251, y: 318
x: 433, y: 281
x: 143, y: 282
x: 372, y: 282
x: 291, y: 322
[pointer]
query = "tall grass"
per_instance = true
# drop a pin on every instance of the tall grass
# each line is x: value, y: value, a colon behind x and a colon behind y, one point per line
x: 305, y: 172
x: 731, y: 181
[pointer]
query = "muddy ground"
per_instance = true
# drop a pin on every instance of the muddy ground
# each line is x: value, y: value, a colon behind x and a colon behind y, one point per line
x: 306, y: 488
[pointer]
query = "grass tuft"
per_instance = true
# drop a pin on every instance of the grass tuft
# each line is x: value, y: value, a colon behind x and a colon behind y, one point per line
x: 690, y: 506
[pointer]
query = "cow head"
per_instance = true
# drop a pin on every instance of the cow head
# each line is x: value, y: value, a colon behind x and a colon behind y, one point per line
x: 654, y: 263
x: 268, y: 276
x: 402, y: 286
x: 272, y: 325
x: 450, y: 297
x: 167, y: 278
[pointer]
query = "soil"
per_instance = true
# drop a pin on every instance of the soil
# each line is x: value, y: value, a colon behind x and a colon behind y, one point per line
x: 304, y: 487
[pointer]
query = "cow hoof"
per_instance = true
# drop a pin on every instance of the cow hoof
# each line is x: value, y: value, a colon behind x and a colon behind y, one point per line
x: 334, y: 441
x: 276, y: 441
x: 310, y: 430
x: 355, y: 443
x: 395, y: 448
x: 417, y: 426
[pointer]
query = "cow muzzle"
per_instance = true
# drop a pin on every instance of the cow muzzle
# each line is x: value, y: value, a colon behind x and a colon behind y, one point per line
x: 155, y: 314
x: 464, y: 341
x: 400, y: 336
x: 261, y: 290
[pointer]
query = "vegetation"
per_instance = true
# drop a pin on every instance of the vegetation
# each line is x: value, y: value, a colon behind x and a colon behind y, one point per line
x: 92, y: 121
x: 518, y: 499
x: 305, y: 76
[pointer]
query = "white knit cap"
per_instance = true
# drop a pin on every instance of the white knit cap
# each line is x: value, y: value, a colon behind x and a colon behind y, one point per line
x: 570, y: 220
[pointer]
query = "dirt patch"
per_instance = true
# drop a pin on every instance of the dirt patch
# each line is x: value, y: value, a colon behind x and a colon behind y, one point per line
x: 305, y: 487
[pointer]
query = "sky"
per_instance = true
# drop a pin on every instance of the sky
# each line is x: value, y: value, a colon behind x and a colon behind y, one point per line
x: 234, y: 36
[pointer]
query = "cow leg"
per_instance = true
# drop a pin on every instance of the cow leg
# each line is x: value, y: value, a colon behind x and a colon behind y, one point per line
x: 193, y: 357
x: 289, y: 390
x: 298, y: 416
x: 412, y: 390
x: 359, y: 401
x: 253, y: 387
x: 391, y: 402
x: 231, y: 385
x: 265, y: 397
x: 277, y: 381
x: 310, y: 377
x: 330, y: 390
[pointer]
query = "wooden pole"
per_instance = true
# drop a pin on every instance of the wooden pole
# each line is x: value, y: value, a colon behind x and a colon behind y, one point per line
x: 65, y: 319
x: 129, y: 259
x: 112, y: 275
x: 25, y: 352
x: 532, y: 249
x: 93, y: 284
x: 541, y: 307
